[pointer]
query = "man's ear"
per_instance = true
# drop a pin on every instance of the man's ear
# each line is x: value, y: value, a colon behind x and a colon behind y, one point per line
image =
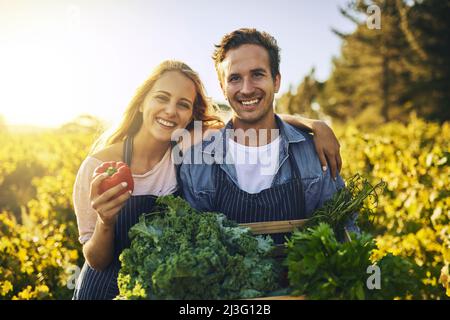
x: 277, y: 82
x: 223, y: 87
x: 221, y: 74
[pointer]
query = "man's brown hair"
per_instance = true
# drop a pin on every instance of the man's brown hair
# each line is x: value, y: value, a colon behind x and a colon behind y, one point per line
x: 243, y: 36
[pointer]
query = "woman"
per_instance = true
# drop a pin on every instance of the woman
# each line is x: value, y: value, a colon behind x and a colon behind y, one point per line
x: 171, y: 98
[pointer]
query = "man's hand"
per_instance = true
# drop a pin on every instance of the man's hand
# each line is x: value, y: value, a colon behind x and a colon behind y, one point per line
x: 327, y: 147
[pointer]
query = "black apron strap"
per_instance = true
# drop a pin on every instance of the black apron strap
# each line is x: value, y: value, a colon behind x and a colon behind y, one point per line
x: 128, y: 150
x: 294, y: 166
x: 176, y: 148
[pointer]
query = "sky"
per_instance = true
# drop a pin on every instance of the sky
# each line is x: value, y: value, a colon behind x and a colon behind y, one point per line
x: 60, y: 59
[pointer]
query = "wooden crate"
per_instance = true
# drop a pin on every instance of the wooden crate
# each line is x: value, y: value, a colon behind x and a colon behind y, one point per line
x: 271, y: 227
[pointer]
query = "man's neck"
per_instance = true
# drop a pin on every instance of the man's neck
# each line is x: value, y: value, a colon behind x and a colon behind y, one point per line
x: 257, y: 133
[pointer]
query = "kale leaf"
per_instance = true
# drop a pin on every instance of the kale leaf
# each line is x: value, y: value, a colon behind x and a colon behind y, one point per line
x: 177, y: 252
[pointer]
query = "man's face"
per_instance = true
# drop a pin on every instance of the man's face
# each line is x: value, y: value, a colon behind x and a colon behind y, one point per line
x: 248, y: 84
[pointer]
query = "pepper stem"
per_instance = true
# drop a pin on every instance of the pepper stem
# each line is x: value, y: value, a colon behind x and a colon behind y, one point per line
x: 111, y: 170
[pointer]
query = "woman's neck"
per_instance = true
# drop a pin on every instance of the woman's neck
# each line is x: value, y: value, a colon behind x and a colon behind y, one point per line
x: 147, y: 151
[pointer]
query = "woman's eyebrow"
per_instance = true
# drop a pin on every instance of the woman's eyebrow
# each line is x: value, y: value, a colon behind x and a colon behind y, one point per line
x: 162, y: 91
x: 168, y: 93
x: 187, y: 100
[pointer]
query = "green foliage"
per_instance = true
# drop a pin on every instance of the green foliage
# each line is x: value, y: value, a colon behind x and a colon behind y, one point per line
x: 39, y: 246
x: 180, y: 253
x: 38, y: 232
x: 383, y: 74
x: 351, y: 200
x: 400, y: 278
x: 321, y: 267
x: 412, y: 217
x: 34, y: 260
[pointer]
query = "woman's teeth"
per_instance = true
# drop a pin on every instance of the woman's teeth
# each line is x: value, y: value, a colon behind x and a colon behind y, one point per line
x: 165, y: 122
x: 250, y: 102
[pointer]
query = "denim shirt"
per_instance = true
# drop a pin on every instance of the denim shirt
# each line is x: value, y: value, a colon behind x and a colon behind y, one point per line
x: 198, y: 185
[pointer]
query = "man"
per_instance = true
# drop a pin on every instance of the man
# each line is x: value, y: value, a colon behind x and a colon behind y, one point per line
x: 258, y: 168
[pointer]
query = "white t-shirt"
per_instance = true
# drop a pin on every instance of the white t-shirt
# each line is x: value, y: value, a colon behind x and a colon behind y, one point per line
x: 255, y: 166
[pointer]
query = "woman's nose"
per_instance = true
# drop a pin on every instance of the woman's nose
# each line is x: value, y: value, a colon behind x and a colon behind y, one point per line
x: 171, y: 108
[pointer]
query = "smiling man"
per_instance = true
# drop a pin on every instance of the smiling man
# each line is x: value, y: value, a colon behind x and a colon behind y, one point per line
x: 264, y: 169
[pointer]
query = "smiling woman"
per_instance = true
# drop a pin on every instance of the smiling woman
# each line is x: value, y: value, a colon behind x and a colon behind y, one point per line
x: 171, y: 98
x: 168, y: 106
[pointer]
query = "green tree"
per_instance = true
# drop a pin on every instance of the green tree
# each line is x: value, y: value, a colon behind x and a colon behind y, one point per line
x: 370, y: 78
x: 426, y: 27
x: 304, y: 100
x: 384, y: 74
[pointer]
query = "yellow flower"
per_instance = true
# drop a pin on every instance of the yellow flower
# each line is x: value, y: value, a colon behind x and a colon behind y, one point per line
x: 5, y: 287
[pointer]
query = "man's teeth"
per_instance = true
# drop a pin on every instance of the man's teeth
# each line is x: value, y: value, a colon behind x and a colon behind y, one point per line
x: 250, y: 102
x: 165, y: 123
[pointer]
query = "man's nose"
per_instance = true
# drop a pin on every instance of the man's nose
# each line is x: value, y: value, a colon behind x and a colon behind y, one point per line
x: 247, y: 87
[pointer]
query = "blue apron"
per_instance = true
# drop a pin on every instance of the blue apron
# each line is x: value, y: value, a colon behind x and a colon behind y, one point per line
x: 102, y: 285
x: 281, y: 202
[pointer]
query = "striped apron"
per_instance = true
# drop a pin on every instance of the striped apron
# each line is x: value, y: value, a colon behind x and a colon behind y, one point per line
x: 102, y: 285
x: 281, y: 202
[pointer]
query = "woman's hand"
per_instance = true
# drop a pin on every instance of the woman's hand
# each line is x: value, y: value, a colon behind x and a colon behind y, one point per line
x: 327, y: 147
x: 104, y: 204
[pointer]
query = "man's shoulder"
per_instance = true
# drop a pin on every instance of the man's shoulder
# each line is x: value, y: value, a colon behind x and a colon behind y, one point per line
x: 301, y: 144
x: 292, y: 133
x: 196, y: 157
x: 197, y: 169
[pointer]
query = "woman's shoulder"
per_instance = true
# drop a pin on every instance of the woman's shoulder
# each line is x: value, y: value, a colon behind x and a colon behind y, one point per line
x: 110, y: 153
x: 92, y: 161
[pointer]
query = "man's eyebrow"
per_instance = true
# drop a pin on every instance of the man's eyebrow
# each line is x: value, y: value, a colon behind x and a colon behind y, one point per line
x: 258, y: 70
x: 168, y: 93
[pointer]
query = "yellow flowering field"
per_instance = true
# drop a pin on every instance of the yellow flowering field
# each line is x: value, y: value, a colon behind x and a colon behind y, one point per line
x: 39, y: 250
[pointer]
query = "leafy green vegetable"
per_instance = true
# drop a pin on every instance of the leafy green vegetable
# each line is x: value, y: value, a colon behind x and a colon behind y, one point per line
x: 398, y: 278
x: 346, y: 203
x: 180, y: 253
x: 321, y: 267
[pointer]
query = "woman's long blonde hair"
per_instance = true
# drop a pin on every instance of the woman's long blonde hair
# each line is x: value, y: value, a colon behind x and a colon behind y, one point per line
x: 132, y: 119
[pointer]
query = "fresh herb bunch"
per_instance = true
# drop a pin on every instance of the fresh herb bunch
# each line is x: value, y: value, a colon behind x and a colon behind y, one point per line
x: 321, y: 267
x: 399, y: 279
x: 180, y: 253
x: 347, y: 203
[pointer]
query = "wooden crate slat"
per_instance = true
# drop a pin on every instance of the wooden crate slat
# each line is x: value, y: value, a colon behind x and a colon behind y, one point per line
x: 270, y: 227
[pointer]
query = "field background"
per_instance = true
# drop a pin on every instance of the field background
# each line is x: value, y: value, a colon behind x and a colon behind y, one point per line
x: 387, y: 99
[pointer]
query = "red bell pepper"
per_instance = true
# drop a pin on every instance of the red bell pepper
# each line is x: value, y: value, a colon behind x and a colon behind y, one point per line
x: 118, y: 172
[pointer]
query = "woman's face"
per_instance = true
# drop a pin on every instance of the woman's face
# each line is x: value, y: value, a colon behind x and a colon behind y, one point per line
x: 169, y: 105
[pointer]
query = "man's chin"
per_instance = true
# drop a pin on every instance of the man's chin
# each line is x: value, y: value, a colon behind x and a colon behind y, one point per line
x: 248, y: 118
